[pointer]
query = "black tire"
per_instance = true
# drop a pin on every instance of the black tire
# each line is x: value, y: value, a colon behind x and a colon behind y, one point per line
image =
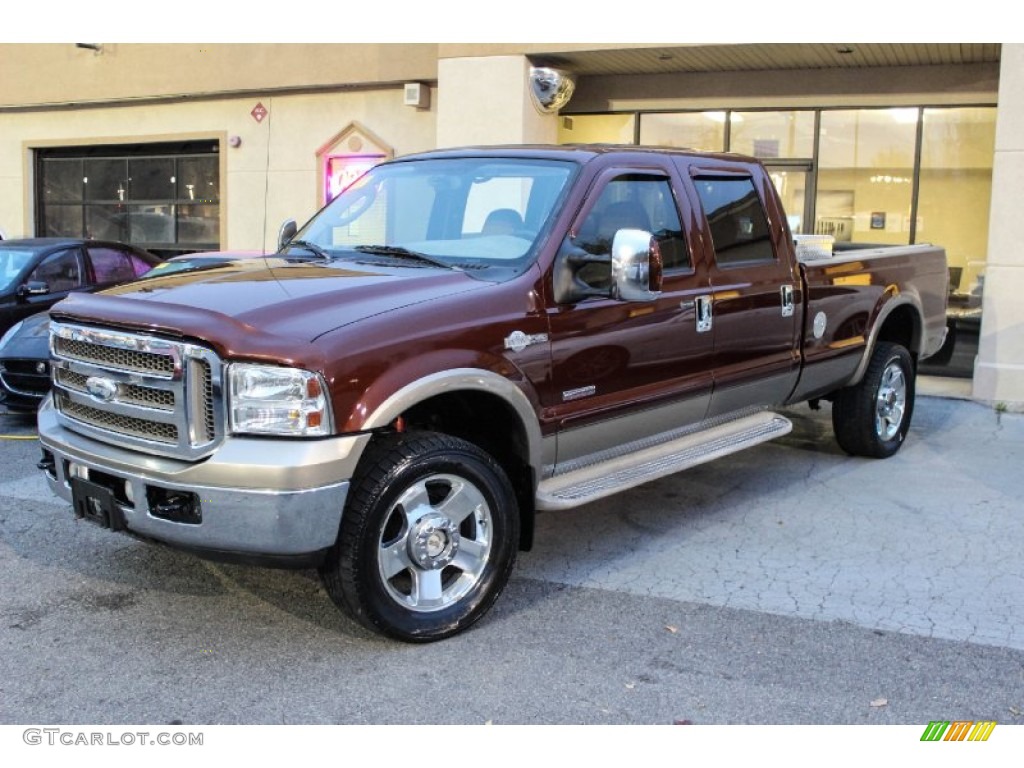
x: 872, y: 418
x: 428, y: 537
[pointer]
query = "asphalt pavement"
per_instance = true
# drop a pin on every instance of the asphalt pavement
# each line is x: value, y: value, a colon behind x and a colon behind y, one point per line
x: 786, y: 584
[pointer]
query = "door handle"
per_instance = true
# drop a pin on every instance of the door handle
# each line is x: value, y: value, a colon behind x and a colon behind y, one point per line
x: 703, y: 313
x: 788, y: 303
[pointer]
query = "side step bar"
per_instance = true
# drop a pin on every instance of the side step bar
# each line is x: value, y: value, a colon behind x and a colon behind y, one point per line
x: 596, y: 481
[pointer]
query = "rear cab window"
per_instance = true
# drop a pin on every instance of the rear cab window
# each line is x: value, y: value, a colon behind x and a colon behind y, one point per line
x: 736, y: 220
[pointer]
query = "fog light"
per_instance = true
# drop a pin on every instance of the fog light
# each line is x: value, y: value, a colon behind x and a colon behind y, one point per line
x: 129, y: 494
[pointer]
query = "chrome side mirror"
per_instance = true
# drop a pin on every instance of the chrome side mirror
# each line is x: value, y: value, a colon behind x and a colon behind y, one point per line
x: 636, y: 266
x: 285, y: 234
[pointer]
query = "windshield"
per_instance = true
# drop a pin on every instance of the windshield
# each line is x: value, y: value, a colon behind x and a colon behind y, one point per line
x: 12, y: 262
x: 469, y: 213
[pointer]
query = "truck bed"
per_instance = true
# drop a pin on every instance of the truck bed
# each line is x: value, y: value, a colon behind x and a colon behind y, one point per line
x: 849, y: 293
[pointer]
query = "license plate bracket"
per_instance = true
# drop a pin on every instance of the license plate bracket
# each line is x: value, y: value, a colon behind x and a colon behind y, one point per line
x: 96, y: 503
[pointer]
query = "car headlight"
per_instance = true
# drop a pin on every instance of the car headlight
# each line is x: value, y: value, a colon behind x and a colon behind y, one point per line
x: 266, y: 399
x: 10, y: 333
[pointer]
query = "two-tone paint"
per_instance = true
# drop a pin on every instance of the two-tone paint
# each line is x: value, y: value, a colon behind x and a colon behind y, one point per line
x: 431, y: 347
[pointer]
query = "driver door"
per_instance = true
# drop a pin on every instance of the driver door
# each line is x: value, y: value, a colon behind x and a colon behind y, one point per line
x: 623, y: 370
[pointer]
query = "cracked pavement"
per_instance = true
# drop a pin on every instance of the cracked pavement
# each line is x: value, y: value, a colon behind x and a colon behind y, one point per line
x: 927, y: 542
x: 784, y: 584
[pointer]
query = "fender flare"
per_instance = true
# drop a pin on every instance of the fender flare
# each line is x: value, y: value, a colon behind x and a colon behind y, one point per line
x: 462, y: 379
x: 895, y: 301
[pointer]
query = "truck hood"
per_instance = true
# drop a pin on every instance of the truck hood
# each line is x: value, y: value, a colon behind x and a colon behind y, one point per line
x: 261, y: 308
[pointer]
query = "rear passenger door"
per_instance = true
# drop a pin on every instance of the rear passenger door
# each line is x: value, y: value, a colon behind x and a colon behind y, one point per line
x: 756, y: 304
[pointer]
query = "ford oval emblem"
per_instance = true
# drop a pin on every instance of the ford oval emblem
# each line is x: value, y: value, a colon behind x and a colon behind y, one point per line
x: 100, y: 388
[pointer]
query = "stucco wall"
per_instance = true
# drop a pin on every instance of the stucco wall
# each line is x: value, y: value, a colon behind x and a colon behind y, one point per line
x: 51, y: 73
x: 271, y: 176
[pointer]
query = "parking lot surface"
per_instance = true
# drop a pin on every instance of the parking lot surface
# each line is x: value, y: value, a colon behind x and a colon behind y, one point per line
x: 785, y: 584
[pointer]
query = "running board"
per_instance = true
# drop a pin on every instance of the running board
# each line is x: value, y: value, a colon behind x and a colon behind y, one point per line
x: 587, y: 484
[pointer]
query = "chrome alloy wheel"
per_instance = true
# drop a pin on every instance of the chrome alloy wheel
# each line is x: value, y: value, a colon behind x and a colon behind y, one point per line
x: 435, y: 543
x: 891, y: 402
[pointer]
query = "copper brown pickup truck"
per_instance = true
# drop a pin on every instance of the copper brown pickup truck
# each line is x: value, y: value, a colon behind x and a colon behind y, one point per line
x: 463, y: 338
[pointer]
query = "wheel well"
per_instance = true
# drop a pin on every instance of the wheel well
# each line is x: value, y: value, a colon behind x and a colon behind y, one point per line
x: 491, y: 424
x: 903, y: 327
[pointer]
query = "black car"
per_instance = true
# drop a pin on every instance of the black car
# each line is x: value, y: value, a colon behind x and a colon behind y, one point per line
x: 34, y: 275
x: 25, y: 347
x: 38, y: 272
x: 25, y: 363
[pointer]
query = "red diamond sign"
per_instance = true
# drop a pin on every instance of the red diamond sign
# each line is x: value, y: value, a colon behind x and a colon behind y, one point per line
x: 259, y: 112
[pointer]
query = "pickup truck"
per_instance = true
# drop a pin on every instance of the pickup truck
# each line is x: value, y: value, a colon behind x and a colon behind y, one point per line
x: 464, y: 338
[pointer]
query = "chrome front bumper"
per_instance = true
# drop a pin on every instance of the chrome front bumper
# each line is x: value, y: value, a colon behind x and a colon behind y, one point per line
x: 276, y: 498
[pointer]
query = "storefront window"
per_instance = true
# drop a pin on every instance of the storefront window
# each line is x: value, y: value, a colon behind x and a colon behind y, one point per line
x: 701, y: 131
x: 863, y: 173
x: 596, y: 129
x: 106, y: 179
x: 955, y: 189
x: 866, y: 175
x: 770, y: 135
x: 63, y: 180
x: 161, y: 197
x: 957, y: 146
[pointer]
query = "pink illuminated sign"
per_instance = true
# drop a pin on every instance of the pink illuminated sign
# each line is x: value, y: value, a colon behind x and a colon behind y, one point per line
x: 343, y: 170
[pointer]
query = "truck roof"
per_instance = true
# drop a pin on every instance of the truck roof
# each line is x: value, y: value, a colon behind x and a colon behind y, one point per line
x: 578, y: 153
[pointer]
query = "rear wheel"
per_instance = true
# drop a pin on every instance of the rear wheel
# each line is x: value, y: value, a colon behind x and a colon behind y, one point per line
x: 428, y: 537
x: 872, y: 418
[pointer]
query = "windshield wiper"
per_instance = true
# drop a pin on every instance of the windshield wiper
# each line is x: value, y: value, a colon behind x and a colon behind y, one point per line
x: 402, y: 253
x: 310, y: 247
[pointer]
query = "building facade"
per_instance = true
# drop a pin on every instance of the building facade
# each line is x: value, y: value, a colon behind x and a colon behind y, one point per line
x: 183, y: 147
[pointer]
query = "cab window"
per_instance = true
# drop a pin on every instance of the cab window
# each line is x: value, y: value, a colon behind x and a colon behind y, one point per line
x: 736, y: 220
x: 636, y: 201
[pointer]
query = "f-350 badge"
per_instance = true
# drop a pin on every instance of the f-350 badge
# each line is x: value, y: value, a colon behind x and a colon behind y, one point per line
x: 517, y: 341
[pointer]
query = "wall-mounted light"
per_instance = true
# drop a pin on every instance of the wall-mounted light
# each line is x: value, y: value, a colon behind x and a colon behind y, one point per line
x: 416, y: 95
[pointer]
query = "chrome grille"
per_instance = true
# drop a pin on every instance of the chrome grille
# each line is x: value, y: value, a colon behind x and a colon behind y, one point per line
x: 114, y: 357
x: 148, y: 397
x: 137, y: 390
x: 125, y: 425
x: 204, y: 424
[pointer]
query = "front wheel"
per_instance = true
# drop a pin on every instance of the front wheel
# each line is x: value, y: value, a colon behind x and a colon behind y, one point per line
x: 872, y: 418
x: 428, y: 537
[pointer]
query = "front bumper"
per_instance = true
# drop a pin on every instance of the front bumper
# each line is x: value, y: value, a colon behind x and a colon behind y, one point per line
x: 258, y: 497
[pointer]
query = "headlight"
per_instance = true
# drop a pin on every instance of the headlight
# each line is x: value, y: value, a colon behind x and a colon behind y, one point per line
x: 266, y: 399
x: 10, y: 333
